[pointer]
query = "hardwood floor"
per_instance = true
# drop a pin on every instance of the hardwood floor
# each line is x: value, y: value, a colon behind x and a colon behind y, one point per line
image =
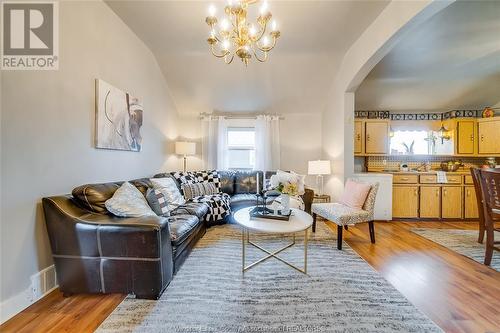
x: 457, y: 293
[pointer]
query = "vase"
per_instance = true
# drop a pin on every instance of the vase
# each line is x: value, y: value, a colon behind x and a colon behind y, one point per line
x: 285, y: 202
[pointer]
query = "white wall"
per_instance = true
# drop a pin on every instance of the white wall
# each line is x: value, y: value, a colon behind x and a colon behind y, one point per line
x: 300, y: 139
x: 47, y: 131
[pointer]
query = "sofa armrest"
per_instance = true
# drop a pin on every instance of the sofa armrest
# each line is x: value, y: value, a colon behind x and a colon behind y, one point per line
x: 99, y: 253
x: 74, y: 231
x: 308, y: 197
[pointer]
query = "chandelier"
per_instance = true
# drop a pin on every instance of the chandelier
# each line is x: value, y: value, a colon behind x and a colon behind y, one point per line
x: 234, y: 35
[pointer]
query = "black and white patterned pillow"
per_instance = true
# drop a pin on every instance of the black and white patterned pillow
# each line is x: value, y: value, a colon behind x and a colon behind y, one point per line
x: 157, y: 202
x: 186, y: 177
x: 198, y: 189
x: 210, y: 176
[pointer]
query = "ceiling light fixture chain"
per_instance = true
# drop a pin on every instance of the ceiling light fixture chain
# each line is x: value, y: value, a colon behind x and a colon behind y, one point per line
x: 234, y: 35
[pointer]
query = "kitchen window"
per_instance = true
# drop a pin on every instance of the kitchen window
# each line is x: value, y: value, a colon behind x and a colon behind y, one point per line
x: 241, y: 148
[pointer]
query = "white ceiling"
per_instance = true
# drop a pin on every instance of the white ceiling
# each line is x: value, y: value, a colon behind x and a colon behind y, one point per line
x: 296, y: 78
x: 450, y: 62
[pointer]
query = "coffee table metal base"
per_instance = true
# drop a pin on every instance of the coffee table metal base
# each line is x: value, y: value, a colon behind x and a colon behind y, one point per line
x: 245, y: 238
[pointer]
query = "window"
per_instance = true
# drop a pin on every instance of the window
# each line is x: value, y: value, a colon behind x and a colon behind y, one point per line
x: 411, y: 142
x: 241, y: 147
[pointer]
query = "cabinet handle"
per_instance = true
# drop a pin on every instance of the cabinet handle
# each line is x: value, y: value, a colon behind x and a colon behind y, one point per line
x: 415, y: 192
x: 358, y: 137
x: 444, y: 193
x: 429, y: 179
x: 405, y: 178
x: 468, y: 193
x: 482, y: 137
x: 437, y: 192
x: 368, y: 137
x: 472, y: 137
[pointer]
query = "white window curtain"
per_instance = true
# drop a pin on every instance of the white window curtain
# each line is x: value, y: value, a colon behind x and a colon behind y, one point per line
x: 267, y: 143
x: 214, y: 142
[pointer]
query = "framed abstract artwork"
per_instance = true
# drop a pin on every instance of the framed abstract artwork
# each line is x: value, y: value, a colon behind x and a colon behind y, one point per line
x: 118, y: 118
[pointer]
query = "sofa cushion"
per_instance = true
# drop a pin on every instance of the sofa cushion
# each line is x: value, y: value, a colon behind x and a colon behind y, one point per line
x: 198, y: 209
x: 246, y: 200
x: 128, y: 201
x: 93, y: 196
x: 246, y: 181
x: 181, y: 227
x: 195, y: 190
x: 158, y: 202
x: 227, y: 181
x: 169, y: 188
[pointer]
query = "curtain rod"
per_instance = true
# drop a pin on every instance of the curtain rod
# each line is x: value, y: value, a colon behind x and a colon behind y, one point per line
x: 236, y: 116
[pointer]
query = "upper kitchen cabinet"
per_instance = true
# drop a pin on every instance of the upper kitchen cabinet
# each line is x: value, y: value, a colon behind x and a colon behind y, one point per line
x: 466, y: 137
x: 376, y: 137
x: 489, y: 136
x: 358, y: 137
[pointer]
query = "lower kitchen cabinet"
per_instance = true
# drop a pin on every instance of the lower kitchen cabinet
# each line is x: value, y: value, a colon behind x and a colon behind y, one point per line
x: 405, y: 201
x: 430, y: 201
x: 470, y: 203
x: 451, y: 200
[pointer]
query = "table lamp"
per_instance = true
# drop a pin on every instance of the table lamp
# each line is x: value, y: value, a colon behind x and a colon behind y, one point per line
x: 319, y: 168
x: 185, y: 148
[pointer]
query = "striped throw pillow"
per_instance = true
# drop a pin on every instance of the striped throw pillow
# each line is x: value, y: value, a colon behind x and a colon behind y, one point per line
x: 197, y: 189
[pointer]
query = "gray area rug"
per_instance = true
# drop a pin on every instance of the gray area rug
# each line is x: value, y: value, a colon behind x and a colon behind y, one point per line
x: 460, y: 241
x: 341, y: 292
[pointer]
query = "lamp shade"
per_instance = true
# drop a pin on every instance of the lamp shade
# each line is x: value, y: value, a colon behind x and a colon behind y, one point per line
x: 185, y: 148
x: 319, y: 167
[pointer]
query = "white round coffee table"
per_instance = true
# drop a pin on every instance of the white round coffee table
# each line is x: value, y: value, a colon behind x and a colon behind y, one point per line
x: 299, y: 221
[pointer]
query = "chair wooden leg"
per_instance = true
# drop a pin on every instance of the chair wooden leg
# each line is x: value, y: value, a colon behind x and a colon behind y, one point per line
x: 490, y: 240
x: 346, y: 227
x: 372, y: 231
x: 315, y: 216
x: 339, y: 237
x: 481, y: 232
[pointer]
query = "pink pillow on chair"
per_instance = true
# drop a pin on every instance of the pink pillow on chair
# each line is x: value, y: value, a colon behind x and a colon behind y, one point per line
x: 355, y: 194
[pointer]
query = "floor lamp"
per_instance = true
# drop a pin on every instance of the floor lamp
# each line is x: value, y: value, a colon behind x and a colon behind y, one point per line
x: 185, y: 149
x: 319, y: 168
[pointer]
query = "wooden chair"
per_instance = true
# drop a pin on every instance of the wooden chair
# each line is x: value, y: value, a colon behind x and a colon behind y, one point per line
x: 344, y: 216
x: 490, y: 190
x: 476, y: 175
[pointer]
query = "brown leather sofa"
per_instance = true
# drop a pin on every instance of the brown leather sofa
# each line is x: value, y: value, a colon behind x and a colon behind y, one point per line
x: 96, y: 252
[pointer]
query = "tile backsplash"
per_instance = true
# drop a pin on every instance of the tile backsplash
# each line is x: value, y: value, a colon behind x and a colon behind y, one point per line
x: 374, y: 163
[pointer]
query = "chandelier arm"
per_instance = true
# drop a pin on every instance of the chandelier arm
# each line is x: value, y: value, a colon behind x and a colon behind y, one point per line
x: 257, y: 57
x: 267, y: 48
x: 230, y: 60
x: 262, y: 31
x: 212, y: 48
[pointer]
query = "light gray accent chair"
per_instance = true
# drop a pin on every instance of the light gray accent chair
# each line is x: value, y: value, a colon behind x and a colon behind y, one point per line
x: 343, y: 215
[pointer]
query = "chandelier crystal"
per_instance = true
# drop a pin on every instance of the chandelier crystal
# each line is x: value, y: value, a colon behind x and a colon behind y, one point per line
x: 234, y: 35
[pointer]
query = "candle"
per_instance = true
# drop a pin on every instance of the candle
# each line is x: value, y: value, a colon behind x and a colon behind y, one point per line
x: 258, y: 183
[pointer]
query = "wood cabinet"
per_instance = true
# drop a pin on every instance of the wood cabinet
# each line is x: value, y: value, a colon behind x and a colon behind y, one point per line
x: 451, y: 202
x: 430, y: 201
x: 420, y: 196
x: 358, y: 137
x: 405, y: 201
x: 465, y: 137
x: 489, y: 136
x: 377, y: 137
x: 470, y: 203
